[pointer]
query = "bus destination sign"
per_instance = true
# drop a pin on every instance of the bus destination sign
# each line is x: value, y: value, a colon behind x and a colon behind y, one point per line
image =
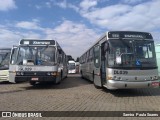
x: 37, y: 42
x: 123, y: 34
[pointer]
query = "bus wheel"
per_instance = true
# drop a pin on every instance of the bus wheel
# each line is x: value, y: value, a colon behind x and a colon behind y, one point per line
x: 32, y: 83
x: 93, y: 76
x: 60, y: 79
x: 81, y: 74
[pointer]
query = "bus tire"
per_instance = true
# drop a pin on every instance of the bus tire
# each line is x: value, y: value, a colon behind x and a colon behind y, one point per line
x: 93, y: 76
x: 60, y: 78
x: 61, y: 75
x: 32, y: 83
x: 82, y: 74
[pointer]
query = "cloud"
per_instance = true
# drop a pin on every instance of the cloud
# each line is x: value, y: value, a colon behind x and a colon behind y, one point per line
x: 10, y: 36
x: 6, y: 5
x: 86, y: 4
x: 48, y: 4
x: 132, y: 1
x: 74, y: 38
x: 144, y: 16
x: 73, y: 7
x: 38, y: 7
x: 62, y: 4
x: 33, y: 25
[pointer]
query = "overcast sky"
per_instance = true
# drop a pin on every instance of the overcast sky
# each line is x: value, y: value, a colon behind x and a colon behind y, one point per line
x: 75, y: 24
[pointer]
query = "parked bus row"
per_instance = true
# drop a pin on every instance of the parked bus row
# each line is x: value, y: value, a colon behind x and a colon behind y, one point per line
x: 117, y: 60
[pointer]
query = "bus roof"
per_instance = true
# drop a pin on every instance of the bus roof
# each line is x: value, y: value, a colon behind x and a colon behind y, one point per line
x: 4, y: 50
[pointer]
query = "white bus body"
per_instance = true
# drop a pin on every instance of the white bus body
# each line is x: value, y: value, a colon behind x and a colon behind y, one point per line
x: 37, y: 61
x: 121, y: 60
x: 71, y: 66
x: 4, y: 63
x: 157, y: 48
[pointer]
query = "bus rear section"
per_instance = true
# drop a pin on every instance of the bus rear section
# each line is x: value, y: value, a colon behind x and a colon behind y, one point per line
x: 4, y: 63
x: 71, y: 67
x: 38, y: 61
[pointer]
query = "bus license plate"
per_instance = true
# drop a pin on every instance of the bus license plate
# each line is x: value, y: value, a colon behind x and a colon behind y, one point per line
x: 155, y: 83
x: 35, y: 79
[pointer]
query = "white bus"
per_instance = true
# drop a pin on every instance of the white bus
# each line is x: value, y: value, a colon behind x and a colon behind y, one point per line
x: 4, y: 63
x: 71, y: 66
x: 121, y: 59
x: 157, y: 48
x: 38, y: 61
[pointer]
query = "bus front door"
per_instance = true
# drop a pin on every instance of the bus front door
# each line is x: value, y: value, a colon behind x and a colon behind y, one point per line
x: 97, y: 67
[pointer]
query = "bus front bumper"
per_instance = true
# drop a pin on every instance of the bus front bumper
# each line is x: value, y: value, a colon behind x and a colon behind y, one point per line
x: 35, y: 78
x: 4, y: 75
x: 4, y: 78
x: 113, y: 84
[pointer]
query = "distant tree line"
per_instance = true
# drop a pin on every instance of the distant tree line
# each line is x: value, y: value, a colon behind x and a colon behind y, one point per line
x: 69, y: 57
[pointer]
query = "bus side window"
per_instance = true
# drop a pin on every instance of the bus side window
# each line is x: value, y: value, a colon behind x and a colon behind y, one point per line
x: 13, y: 57
x: 96, y: 56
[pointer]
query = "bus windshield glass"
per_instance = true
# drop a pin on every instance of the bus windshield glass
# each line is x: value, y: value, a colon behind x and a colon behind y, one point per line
x: 132, y: 53
x: 4, y: 60
x: 35, y: 55
x: 72, y: 66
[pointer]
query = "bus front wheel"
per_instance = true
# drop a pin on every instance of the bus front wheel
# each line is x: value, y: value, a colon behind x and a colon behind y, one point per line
x: 32, y: 82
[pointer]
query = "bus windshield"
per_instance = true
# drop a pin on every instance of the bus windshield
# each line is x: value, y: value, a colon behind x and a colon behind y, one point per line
x: 36, y: 55
x: 4, y: 60
x: 133, y: 53
x: 71, y: 66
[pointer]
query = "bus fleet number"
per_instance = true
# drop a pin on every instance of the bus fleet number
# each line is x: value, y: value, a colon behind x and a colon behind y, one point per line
x: 25, y: 69
x: 120, y: 72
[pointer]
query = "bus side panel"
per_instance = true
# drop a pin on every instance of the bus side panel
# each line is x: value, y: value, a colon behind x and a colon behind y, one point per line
x: 97, y: 77
x: 12, y: 73
x: 91, y: 69
x: 4, y: 75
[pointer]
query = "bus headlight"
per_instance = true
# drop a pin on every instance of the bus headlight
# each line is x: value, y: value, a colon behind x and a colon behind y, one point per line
x: 119, y: 78
x: 54, y: 73
x: 18, y: 73
x: 152, y: 78
x: 109, y: 77
x: 48, y: 73
x: 155, y: 77
x: 22, y: 73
